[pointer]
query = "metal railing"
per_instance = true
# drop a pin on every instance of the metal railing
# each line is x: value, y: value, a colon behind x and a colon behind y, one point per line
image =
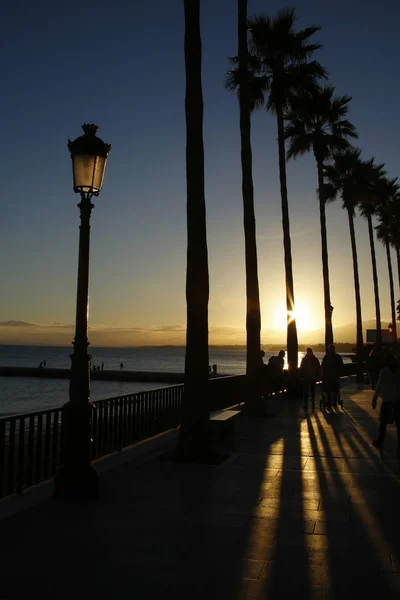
x: 29, y: 449
x: 30, y: 444
x: 122, y: 421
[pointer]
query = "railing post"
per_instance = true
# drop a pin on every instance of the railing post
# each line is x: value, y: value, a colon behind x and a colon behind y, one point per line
x: 11, y: 458
x: 2, y: 455
x: 21, y: 450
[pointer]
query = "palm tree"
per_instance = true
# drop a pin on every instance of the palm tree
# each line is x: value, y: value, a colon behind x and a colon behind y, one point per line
x: 345, y: 177
x: 372, y: 174
x: 395, y: 230
x: 279, y: 68
x: 316, y: 121
x: 388, y: 191
x: 194, y: 438
x: 283, y: 55
x: 253, y: 316
x: 383, y: 234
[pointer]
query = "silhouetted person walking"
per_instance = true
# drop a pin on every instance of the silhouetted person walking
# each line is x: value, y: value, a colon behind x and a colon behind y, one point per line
x: 388, y: 387
x: 102, y: 366
x: 310, y: 371
x: 332, y: 367
x: 121, y: 366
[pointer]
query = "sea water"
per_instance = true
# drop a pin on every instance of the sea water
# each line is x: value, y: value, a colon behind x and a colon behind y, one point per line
x: 28, y: 394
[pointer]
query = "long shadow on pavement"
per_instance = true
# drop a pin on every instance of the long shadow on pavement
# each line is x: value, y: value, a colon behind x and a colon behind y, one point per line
x: 368, y: 548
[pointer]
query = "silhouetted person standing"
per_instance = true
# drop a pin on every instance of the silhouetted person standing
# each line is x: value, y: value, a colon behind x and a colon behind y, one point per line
x: 262, y: 379
x: 121, y: 366
x: 276, y: 363
x: 332, y: 368
x: 388, y: 387
x: 102, y: 366
x: 280, y: 361
x: 310, y: 371
x: 214, y: 369
x: 374, y: 364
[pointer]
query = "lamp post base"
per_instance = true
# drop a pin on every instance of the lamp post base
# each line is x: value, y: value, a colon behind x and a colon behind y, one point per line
x: 76, y: 480
x: 76, y: 485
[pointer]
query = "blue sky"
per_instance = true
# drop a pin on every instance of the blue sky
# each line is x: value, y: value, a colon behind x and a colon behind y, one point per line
x: 121, y: 66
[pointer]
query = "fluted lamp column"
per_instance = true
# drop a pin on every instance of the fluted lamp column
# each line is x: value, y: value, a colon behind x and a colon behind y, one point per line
x: 76, y: 480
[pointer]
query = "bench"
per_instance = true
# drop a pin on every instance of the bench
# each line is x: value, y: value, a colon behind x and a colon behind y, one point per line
x: 222, y: 423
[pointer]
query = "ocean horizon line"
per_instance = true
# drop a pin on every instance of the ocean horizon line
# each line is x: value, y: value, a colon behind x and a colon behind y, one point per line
x: 230, y: 346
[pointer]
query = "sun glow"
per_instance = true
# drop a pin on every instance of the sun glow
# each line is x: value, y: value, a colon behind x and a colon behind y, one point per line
x: 302, y: 314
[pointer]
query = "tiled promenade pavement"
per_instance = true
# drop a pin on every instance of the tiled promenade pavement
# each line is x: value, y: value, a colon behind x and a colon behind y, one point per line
x: 303, y: 508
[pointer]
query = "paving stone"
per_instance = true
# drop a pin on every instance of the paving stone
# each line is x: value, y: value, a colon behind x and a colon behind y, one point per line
x: 365, y: 496
x: 324, y: 464
x: 293, y: 463
x: 329, y: 515
x: 363, y: 465
x: 311, y: 541
x: 251, y: 569
x: 259, y: 547
x: 329, y: 527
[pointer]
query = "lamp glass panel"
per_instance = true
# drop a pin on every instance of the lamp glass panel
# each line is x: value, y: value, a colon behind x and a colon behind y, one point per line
x: 98, y: 175
x: 83, y: 167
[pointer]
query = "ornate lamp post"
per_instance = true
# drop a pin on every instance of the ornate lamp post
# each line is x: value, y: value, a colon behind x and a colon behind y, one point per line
x: 76, y: 480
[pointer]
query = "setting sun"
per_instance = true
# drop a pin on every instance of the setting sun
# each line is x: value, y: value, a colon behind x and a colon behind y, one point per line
x: 302, y: 315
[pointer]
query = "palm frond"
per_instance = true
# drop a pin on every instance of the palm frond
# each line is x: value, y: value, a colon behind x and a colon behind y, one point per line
x: 372, y: 176
x: 382, y: 233
x: 299, y: 145
x: 284, y: 19
x: 330, y: 192
x: 232, y: 81
x: 314, y: 116
x: 307, y: 32
x: 257, y: 84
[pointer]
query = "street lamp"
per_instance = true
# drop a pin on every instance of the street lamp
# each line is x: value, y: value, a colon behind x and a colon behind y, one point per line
x: 76, y: 480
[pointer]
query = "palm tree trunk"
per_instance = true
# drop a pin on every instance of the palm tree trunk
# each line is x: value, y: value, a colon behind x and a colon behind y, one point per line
x: 325, y: 265
x: 398, y: 263
x: 392, y: 298
x: 292, y: 342
x: 376, y: 288
x: 253, y: 317
x: 194, y: 438
x: 359, y: 336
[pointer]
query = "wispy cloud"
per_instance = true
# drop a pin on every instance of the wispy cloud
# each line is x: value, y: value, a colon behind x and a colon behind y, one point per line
x: 168, y: 328
x: 17, y: 324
